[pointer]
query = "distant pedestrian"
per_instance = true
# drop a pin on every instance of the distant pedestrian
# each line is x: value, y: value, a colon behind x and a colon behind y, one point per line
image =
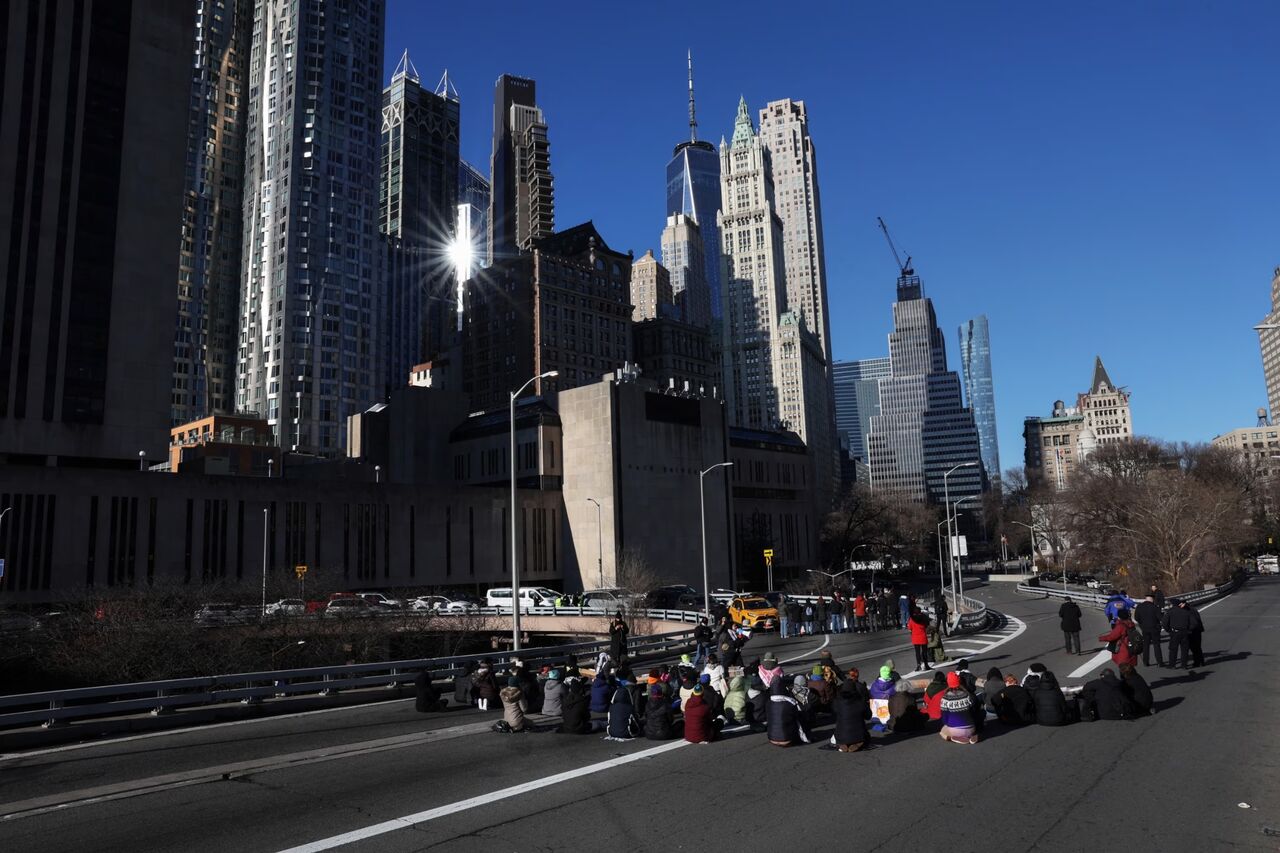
x: 784, y: 618
x: 795, y: 615
x: 1069, y: 618
x: 702, y: 639
x: 1157, y: 595
x: 1196, y: 636
x: 919, y: 627
x: 904, y: 609
x: 1178, y: 624
x: 618, y: 632
x: 941, y: 611
x: 860, y: 614
x: 810, y: 625
x: 1147, y: 616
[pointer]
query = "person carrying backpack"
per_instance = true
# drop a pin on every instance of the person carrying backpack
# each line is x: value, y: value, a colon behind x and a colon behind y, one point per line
x: 1124, y: 639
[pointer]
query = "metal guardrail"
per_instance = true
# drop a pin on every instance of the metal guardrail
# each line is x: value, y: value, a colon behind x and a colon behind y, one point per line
x: 1095, y: 599
x: 974, y: 619
x: 56, y: 707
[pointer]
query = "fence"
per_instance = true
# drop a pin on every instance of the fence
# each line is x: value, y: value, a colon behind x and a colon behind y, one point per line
x: 58, y: 706
x: 973, y: 618
x: 1095, y: 599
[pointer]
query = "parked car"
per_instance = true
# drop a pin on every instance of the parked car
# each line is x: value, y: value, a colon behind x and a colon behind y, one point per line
x: 427, y: 602
x: 224, y: 613
x: 753, y: 612
x: 287, y: 607
x: 378, y: 599
x: 606, y: 600
x: 461, y: 603
x: 354, y: 607
x: 674, y: 597
x: 530, y: 596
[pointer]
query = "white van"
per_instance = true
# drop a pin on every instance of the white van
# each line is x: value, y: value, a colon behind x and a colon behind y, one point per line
x: 530, y: 596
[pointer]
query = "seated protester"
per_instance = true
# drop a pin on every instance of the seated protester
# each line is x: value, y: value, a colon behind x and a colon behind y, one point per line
x: 884, y: 686
x: 603, y: 663
x: 769, y: 670
x: 627, y: 679
x: 783, y: 714
x: 575, y: 715
x: 852, y: 711
x: 957, y: 711
x: 716, y: 673
x: 1051, y: 705
x: 967, y: 681
x: 697, y: 718
x: 1032, y: 679
x: 904, y: 715
x: 484, y: 687
x: 735, y: 701
x: 426, y: 696
x: 933, y: 696
x: 823, y: 691
x: 711, y: 696
x: 686, y: 668
x: 1138, y: 691
x: 553, y: 694
x: 830, y: 669
x: 601, y: 690
x: 804, y: 702
x: 512, y: 707
x: 991, y: 687
x: 623, y: 723
x: 1013, y: 703
x: 659, y: 719
x: 1105, y: 698
x: 893, y: 671
x: 462, y: 685
x: 686, y: 691
x: 757, y: 704
x: 528, y: 686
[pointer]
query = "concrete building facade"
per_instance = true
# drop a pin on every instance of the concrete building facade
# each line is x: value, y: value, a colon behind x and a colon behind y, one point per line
x: 96, y: 109
x: 1056, y: 446
x: 1106, y: 408
x: 677, y: 356
x: 684, y: 256
x: 1269, y: 342
x: 651, y: 292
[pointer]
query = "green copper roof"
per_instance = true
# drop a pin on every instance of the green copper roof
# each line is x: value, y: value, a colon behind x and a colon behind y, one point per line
x: 744, y: 132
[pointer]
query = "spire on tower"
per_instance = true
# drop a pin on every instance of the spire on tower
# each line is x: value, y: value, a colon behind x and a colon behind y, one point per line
x: 743, y: 130
x: 693, y: 121
x: 405, y: 68
x: 445, y: 88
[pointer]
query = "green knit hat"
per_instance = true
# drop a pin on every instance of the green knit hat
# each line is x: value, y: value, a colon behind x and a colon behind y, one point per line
x: 885, y: 672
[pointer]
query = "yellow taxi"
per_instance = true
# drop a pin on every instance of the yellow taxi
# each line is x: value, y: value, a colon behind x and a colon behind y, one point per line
x: 753, y: 612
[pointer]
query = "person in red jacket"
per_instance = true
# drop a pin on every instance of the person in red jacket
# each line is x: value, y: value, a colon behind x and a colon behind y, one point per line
x: 697, y: 718
x: 933, y: 696
x: 919, y: 626
x: 860, y: 613
x: 1119, y: 636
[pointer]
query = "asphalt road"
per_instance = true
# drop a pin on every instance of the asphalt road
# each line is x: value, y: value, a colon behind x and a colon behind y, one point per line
x: 402, y: 781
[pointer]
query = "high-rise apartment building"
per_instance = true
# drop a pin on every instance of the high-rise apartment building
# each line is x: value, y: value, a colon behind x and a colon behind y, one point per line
x: 1106, y: 408
x: 1055, y: 447
x: 312, y: 306
x: 1269, y: 341
x: 923, y: 429
x: 205, y: 338
x: 96, y: 105
x: 651, y: 294
x: 523, y: 196
x: 975, y: 363
x: 565, y: 306
x: 684, y: 256
x: 693, y: 190
x: 784, y: 130
x: 474, y: 199
x: 418, y: 182
x: 752, y: 276
x: 857, y: 399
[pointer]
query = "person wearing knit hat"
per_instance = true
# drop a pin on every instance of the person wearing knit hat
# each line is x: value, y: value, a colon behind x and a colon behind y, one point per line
x: 553, y: 693
x: 835, y: 673
x: 957, y: 709
x: 883, y: 687
x: 513, y: 707
x: 659, y: 718
x: 697, y: 718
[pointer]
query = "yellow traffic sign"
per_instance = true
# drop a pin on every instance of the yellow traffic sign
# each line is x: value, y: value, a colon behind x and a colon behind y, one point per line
x: 300, y: 571
x: 768, y: 552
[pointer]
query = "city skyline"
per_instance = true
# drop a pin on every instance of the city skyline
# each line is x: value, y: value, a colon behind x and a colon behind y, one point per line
x: 1019, y: 195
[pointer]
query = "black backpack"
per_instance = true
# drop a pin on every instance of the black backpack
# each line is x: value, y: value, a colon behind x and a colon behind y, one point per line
x: 1134, y: 641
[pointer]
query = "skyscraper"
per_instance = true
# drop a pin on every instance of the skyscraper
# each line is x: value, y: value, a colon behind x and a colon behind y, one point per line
x: 1269, y: 341
x: 684, y: 256
x: 693, y: 189
x: 751, y: 272
x: 523, y: 195
x: 804, y: 395
x: 857, y: 396
x: 784, y: 130
x: 205, y: 340
x: 474, y: 195
x: 923, y: 429
x: 312, y: 308
x: 95, y: 115
x: 975, y: 363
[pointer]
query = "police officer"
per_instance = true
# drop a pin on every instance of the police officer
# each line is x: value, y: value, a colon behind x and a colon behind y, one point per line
x: 1147, y: 615
x: 1178, y: 622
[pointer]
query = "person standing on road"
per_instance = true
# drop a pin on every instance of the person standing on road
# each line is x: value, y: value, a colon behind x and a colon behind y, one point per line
x: 1147, y: 617
x: 904, y: 609
x: 1197, y: 635
x: 1157, y: 595
x: 940, y: 610
x: 886, y: 610
x: 1069, y: 615
x: 702, y: 640
x: 618, y: 632
x: 860, y: 614
x: 1177, y: 623
x: 784, y: 618
x: 919, y: 626
x: 1119, y: 640
x: 795, y: 612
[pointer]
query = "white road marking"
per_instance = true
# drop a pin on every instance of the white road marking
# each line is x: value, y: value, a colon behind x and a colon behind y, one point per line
x: 825, y: 643
x: 1017, y: 625
x: 1093, y: 663
x: 474, y: 802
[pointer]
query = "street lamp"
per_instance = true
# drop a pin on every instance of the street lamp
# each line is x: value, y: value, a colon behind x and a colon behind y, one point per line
x: 702, y: 511
x: 599, y: 541
x: 142, y: 460
x: 377, y: 473
x: 946, y: 498
x: 3, y: 513
x: 515, y: 571
x: 271, y: 464
x: 266, y: 530
x: 1034, y: 548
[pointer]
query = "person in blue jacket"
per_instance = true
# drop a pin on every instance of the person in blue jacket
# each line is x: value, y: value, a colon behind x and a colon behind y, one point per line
x: 1115, y: 602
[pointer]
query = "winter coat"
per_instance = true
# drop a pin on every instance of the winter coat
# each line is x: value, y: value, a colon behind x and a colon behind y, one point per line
x: 956, y: 707
x: 512, y: 707
x: 532, y: 691
x: 1051, y: 705
x: 1070, y: 614
x: 904, y: 716
x: 757, y: 705
x: 1177, y: 621
x: 686, y: 693
x: 859, y: 606
x: 882, y: 689
x: 852, y: 711
x: 618, y: 639
x: 462, y: 689
x: 991, y: 687
x: 783, y: 716
x: 552, y: 697
x: 1104, y: 698
x: 735, y: 700
x: 717, y: 678
x: 919, y: 625
x: 659, y: 721
x: 1147, y: 615
x: 622, y: 714
x: 1014, y: 705
x: 483, y: 685
x: 697, y: 721
x: 575, y: 716
x: 1139, y: 692
x: 768, y: 675
x: 1115, y: 603
x: 1119, y: 635
x: 426, y: 696
x: 967, y: 681
x: 933, y: 700
x: 601, y: 690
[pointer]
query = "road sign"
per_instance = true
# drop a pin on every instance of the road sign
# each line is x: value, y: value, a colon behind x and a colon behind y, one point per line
x: 300, y: 571
x: 768, y: 553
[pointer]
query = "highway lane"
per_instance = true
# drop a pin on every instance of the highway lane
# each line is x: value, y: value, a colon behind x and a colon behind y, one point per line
x: 1027, y: 781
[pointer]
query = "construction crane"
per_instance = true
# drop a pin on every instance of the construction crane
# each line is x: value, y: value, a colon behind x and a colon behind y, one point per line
x: 903, y: 269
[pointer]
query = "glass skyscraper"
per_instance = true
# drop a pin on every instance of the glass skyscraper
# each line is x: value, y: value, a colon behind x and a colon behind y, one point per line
x: 857, y: 393
x: 975, y: 363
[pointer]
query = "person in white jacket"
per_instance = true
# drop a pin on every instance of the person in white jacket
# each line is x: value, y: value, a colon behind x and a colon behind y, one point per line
x: 716, y: 671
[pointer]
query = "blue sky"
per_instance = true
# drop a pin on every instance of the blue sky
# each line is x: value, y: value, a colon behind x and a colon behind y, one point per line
x: 1097, y: 178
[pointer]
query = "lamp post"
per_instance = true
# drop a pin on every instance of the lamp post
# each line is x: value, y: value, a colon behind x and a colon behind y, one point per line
x: 946, y: 502
x: 377, y: 473
x: 515, y: 570
x: 3, y: 513
x: 266, y: 531
x: 702, y: 511
x: 599, y: 541
x: 958, y: 578
x: 1034, y: 549
x: 142, y: 460
x: 271, y: 465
